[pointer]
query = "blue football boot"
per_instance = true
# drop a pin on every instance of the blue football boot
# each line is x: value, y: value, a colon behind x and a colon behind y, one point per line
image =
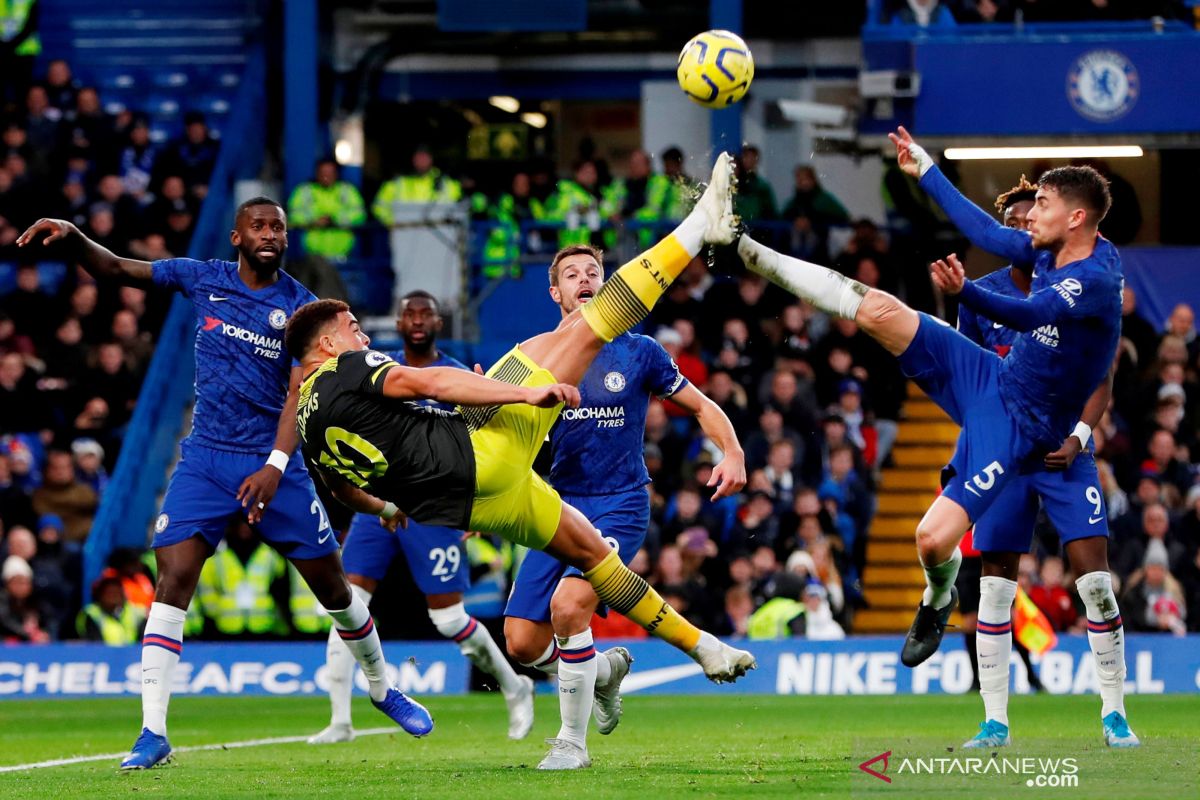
x: 148, y: 751
x: 406, y: 712
x: 1117, y: 732
x: 991, y: 734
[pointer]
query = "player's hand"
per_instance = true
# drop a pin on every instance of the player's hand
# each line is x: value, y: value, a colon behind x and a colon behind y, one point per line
x: 479, y: 369
x: 398, y: 520
x: 1062, y: 458
x: 257, y: 491
x: 54, y: 229
x: 729, y: 476
x: 471, y: 535
x: 948, y: 274
x: 911, y: 157
x: 552, y: 395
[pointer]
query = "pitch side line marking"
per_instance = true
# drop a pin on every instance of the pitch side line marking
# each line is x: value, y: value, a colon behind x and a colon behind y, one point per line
x: 62, y: 762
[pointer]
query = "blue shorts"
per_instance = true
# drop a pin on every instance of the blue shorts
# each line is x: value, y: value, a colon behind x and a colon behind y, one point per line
x: 622, y: 520
x: 1072, y: 499
x: 202, y: 497
x: 963, y: 378
x: 436, y: 558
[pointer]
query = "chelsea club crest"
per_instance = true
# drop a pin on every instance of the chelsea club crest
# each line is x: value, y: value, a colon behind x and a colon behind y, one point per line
x: 278, y: 319
x: 1102, y: 85
x: 614, y: 382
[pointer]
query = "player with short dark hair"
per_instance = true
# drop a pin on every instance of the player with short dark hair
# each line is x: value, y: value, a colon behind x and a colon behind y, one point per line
x: 239, y: 456
x: 1066, y: 486
x: 435, y: 557
x: 473, y: 469
x: 599, y: 469
x: 1013, y: 411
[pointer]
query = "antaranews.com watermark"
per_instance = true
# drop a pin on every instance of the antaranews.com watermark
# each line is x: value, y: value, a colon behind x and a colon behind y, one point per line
x: 1042, y: 773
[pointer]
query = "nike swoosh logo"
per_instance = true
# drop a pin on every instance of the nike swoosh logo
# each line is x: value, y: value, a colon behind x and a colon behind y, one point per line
x: 213, y: 298
x: 445, y: 578
x: 997, y: 325
x: 323, y: 538
x: 657, y: 677
x: 1094, y: 520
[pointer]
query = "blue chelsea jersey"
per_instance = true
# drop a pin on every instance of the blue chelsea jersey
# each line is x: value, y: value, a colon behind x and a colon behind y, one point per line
x: 1053, y: 370
x: 242, y: 368
x: 598, y: 446
x: 443, y: 360
x: 982, y: 331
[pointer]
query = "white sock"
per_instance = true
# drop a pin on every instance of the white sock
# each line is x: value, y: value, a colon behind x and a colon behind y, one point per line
x: 826, y: 289
x: 356, y: 628
x: 476, y: 644
x: 940, y: 580
x: 576, y: 686
x: 161, y: 645
x: 690, y: 232
x: 993, y: 644
x: 547, y: 662
x: 339, y: 669
x: 1106, y: 637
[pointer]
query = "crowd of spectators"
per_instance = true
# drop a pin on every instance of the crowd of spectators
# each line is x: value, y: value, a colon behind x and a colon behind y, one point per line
x: 947, y: 13
x: 73, y: 352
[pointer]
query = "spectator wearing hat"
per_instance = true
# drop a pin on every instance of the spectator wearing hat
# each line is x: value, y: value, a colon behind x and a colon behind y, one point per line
x: 15, y: 505
x: 22, y: 617
x: 1153, y: 597
x: 89, y: 464
x: 56, y: 568
x: 109, y: 618
x: 857, y: 499
x: 63, y: 494
x: 818, y: 616
x: 136, y: 163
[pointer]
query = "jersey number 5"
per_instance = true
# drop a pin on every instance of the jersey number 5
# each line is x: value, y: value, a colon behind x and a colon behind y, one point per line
x: 986, y: 479
x: 352, y: 457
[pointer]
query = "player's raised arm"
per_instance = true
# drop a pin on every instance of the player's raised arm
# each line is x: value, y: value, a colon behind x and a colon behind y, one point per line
x: 99, y: 261
x: 729, y: 476
x: 977, y: 225
x: 449, y: 385
x: 1040, y: 308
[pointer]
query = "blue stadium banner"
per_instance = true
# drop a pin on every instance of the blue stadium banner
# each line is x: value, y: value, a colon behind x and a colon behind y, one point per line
x: 516, y: 15
x: 1057, y: 85
x: 1157, y: 664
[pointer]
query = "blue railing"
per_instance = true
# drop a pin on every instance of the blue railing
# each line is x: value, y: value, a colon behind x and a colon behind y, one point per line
x: 131, y: 498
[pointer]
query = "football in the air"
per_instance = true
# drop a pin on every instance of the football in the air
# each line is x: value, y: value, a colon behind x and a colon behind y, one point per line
x: 715, y: 69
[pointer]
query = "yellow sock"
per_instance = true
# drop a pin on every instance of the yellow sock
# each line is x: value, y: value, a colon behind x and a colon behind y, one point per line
x: 626, y: 298
x: 619, y: 588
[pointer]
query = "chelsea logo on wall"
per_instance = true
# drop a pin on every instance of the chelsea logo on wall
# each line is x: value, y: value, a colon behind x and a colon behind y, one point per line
x: 1103, y: 85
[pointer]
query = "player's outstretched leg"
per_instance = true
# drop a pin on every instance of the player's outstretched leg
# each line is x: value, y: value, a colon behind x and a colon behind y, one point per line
x: 473, y: 639
x: 627, y: 296
x: 576, y: 542
x: 1106, y: 636
x: 994, y: 652
x: 339, y: 672
x: 606, y: 707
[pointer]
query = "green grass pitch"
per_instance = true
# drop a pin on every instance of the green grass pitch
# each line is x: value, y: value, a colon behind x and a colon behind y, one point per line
x: 665, y: 748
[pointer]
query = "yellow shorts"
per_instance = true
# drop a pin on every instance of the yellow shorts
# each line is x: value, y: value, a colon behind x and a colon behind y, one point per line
x: 510, y: 499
